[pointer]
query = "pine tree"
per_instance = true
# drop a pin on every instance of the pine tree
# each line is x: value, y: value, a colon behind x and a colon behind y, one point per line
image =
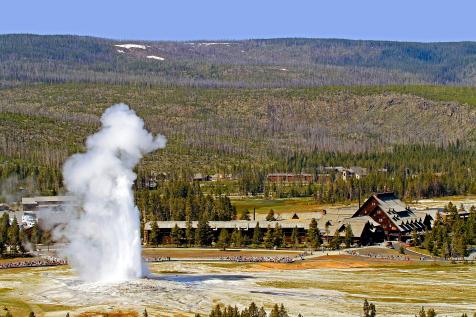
x: 257, y: 235
x: 4, y: 226
x: 415, y: 238
x: 22, y: 241
x: 253, y: 310
x: 295, y: 237
x: 216, y: 312
x: 244, y: 214
x: 447, y: 249
x: 452, y: 213
x: 236, y: 238
x: 268, y: 238
x: 223, y: 239
x: 189, y: 233
x: 429, y: 242
x: 282, y: 311
x: 422, y: 312
x: 175, y: 235
x: 145, y: 314
x: 203, y: 234
x: 431, y: 313
x: 459, y: 245
x: 366, y: 308
x: 14, y: 235
x: 471, y: 226
x: 373, y: 311
x: 270, y: 216
x: 327, y: 232
x: 349, y: 235
x: 314, y: 235
x: 278, y: 236
x: 154, y: 233
x: 35, y: 234
x: 274, y: 311
x: 336, y: 240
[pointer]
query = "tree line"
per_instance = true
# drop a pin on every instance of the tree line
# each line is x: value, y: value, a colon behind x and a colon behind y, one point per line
x: 450, y: 237
x: 18, y: 240
x: 369, y: 310
x: 182, y: 200
x: 250, y: 63
x: 272, y: 237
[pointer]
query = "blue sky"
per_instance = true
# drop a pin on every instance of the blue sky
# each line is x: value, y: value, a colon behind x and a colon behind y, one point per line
x: 404, y: 20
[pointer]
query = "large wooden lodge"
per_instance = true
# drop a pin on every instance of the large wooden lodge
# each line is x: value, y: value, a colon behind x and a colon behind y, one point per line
x: 397, y: 220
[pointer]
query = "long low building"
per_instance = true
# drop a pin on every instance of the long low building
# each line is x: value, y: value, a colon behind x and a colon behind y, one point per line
x: 365, y: 230
x: 239, y: 224
x: 38, y: 202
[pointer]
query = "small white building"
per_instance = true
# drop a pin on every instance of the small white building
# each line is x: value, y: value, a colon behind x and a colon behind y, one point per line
x: 28, y: 219
x: 354, y: 172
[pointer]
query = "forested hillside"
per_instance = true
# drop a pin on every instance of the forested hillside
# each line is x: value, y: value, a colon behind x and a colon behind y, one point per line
x: 248, y: 63
x: 253, y: 124
x: 429, y: 131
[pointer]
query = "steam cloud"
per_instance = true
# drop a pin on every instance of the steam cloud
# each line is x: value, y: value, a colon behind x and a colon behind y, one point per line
x: 105, y: 236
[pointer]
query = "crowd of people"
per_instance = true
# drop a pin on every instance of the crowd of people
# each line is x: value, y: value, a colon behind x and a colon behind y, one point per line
x: 399, y: 257
x: 36, y: 262
x: 157, y: 259
x: 273, y: 259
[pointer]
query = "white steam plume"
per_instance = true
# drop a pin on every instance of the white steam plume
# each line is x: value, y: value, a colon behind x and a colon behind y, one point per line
x: 105, y: 237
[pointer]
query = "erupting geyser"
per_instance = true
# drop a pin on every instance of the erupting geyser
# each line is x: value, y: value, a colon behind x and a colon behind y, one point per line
x: 105, y: 236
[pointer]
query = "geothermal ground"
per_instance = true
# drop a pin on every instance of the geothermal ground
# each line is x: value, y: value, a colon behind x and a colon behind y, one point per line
x: 326, y: 286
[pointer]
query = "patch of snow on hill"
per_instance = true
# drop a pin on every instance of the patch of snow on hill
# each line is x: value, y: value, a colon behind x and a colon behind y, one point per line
x: 156, y: 57
x: 209, y: 43
x: 213, y: 43
x: 120, y: 51
x: 129, y: 46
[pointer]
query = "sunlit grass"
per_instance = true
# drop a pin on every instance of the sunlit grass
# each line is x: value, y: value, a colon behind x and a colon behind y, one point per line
x: 288, y: 205
x: 451, y: 284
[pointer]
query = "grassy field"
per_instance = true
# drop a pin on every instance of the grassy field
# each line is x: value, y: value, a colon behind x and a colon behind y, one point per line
x: 393, y: 290
x: 178, y: 253
x: 284, y: 205
x: 13, y: 279
x: 328, y: 286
